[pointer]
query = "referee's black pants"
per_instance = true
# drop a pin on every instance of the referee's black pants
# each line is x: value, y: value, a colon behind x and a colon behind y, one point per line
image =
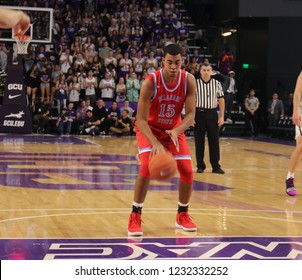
x: 206, y: 121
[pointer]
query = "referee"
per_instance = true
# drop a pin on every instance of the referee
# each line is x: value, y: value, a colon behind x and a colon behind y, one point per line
x: 207, y: 121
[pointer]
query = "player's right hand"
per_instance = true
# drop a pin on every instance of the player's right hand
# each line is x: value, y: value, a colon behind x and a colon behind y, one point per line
x: 22, y: 26
x: 157, y: 148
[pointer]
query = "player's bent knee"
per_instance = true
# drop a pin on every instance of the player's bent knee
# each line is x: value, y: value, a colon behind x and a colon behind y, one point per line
x: 144, y: 169
x: 185, y: 171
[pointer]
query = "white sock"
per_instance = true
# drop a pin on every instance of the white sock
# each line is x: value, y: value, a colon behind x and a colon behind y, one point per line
x: 137, y: 204
x: 290, y: 175
x: 182, y: 204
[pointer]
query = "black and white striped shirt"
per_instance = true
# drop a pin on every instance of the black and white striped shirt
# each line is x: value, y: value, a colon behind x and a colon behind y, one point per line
x: 207, y: 93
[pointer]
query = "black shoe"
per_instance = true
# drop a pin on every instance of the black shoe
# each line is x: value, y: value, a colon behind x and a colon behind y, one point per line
x: 217, y: 170
x: 200, y: 170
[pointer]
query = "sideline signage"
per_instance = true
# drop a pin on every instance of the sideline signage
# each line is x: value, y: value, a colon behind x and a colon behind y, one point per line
x: 15, y: 116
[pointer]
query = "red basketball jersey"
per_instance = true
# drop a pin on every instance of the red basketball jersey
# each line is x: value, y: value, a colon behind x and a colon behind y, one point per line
x: 168, y: 100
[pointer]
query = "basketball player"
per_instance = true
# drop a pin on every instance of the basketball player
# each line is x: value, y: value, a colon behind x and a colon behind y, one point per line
x: 17, y: 20
x: 163, y: 95
x: 297, y: 153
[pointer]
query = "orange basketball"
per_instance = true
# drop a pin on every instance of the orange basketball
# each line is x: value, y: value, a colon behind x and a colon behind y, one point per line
x: 162, y: 166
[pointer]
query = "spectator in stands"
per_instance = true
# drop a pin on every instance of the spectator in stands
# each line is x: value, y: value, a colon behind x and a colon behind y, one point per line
x: 89, y: 44
x: 112, y: 72
x: 226, y: 61
x: 81, y: 74
x: 124, y: 40
x: 139, y: 64
x: 107, y: 86
x: 275, y: 110
x: 288, y: 104
x: 198, y: 38
x: 164, y: 40
x: 40, y: 57
x: 151, y: 63
x: 158, y: 56
x: 128, y: 108
x: 185, y: 58
x: 74, y: 92
x: 4, y: 51
x: 251, y: 105
x: 198, y: 57
x: 32, y: 83
x: 45, y: 77
x: 125, y: 63
x: 66, y: 61
x: 101, y: 113
x: 64, y: 122
x: 110, y: 59
x: 133, y: 88
x: 61, y: 93
x: 118, y: 55
x: 41, y: 116
x: 229, y: 96
x: 113, y: 26
x: 76, y: 46
x: 88, y: 104
x: 122, y: 125
x: 114, y: 114
x: 153, y: 41
x: 193, y: 67
x: 89, y: 55
x: 90, y: 124
x: 29, y: 58
x: 80, y: 115
x: 104, y: 52
x: 55, y: 77
x: 121, y: 90
x: 183, y: 31
x: 79, y: 60
x: 90, y: 85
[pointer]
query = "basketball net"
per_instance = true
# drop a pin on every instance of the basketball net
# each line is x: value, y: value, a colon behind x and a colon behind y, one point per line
x: 22, y: 43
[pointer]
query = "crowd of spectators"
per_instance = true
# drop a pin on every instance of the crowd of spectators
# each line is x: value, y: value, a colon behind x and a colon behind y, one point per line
x: 102, y: 50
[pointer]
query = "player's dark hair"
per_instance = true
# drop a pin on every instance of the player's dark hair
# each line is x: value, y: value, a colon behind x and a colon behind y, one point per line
x: 172, y: 49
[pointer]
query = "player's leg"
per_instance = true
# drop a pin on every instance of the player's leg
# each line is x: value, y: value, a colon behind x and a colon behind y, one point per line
x: 184, y: 166
x: 141, y: 187
x: 293, y: 164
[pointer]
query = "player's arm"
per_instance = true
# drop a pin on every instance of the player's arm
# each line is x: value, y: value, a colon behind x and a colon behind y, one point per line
x: 296, y: 101
x: 147, y: 92
x: 190, y: 106
x: 17, y: 20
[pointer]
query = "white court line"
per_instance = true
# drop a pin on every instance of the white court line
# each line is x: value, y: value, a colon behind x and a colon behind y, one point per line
x: 127, y: 212
x: 146, y: 210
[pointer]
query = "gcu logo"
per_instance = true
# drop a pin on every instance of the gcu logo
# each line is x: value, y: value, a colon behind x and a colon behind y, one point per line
x: 18, y: 115
x: 15, y: 87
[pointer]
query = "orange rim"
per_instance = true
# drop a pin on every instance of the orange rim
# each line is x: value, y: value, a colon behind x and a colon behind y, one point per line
x: 22, y: 38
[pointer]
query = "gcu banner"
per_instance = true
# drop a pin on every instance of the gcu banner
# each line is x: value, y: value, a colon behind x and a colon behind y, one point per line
x: 14, y: 114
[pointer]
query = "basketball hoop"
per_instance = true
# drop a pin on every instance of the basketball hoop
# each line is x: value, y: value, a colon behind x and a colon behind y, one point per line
x: 22, y: 43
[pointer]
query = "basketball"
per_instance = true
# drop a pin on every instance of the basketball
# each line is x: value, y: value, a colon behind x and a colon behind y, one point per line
x: 162, y: 166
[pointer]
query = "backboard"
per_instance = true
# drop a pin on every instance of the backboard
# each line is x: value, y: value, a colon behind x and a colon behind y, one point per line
x: 41, y: 25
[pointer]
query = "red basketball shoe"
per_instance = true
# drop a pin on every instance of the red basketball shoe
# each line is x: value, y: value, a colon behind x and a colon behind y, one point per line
x: 183, y: 221
x: 134, y: 225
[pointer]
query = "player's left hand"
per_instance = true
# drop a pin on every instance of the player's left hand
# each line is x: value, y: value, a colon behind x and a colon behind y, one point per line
x: 174, y: 136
